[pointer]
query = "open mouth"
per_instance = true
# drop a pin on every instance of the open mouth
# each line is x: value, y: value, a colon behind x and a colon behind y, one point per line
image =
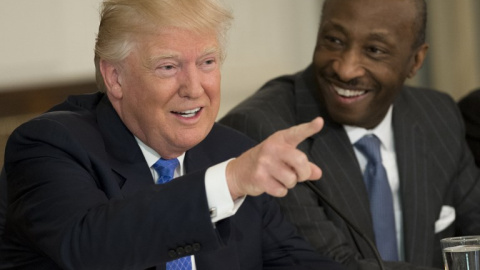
x: 188, y: 113
x: 348, y: 93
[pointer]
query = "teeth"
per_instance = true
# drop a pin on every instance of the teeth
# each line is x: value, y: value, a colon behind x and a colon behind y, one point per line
x: 348, y: 93
x: 189, y: 113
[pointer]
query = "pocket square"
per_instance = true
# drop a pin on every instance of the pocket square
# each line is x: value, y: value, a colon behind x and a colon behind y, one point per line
x: 447, y: 217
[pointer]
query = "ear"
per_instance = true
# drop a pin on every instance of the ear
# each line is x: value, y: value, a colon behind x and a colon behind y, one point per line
x: 418, y: 58
x: 111, y: 78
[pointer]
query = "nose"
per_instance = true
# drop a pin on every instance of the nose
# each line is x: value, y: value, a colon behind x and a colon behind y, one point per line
x: 348, y: 66
x: 191, y: 83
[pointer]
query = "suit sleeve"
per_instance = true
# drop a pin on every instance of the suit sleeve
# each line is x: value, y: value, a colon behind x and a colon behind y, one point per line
x: 59, y: 207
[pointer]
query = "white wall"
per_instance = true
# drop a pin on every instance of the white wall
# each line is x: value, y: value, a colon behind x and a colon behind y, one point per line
x: 52, y: 41
x: 46, y: 41
x: 268, y: 38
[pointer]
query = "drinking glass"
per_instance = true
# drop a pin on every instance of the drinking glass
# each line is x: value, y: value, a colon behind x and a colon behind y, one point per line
x: 461, y: 253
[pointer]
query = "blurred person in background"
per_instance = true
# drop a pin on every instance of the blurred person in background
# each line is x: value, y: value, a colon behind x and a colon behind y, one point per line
x: 470, y: 108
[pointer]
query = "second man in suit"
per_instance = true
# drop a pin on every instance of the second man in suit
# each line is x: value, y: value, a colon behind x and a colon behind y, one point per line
x: 365, y: 51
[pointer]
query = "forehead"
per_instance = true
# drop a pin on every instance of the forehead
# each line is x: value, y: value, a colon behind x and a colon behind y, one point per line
x: 177, y: 43
x: 380, y: 17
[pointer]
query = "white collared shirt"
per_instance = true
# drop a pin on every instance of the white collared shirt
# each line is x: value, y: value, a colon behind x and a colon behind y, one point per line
x: 384, y: 132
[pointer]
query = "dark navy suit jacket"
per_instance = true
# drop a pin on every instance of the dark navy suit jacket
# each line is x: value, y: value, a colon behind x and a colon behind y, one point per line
x: 81, y: 196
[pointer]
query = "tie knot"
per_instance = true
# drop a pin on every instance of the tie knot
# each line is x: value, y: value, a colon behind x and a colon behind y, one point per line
x: 369, y: 145
x: 165, y: 169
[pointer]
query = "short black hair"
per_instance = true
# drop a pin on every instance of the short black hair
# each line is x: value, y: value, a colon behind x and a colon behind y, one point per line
x: 420, y: 24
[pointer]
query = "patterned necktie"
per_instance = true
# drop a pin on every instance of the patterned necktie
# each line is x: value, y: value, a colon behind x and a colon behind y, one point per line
x: 380, y: 195
x: 165, y: 169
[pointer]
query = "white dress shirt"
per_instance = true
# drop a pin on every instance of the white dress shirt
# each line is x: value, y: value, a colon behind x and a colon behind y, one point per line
x: 219, y: 199
x: 384, y: 132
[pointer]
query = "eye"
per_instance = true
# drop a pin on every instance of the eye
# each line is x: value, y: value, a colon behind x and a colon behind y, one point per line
x: 333, y: 39
x: 332, y: 42
x: 376, y: 52
x: 208, y: 64
x: 166, y: 70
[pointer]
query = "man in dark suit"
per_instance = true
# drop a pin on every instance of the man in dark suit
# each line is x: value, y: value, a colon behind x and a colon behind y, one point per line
x: 81, y: 190
x: 365, y: 51
x: 470, y: 108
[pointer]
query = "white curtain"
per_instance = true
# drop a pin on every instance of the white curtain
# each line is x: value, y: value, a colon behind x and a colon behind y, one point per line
x: 453, y: 60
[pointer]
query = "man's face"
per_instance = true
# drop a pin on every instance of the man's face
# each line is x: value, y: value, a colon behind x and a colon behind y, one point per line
x: 363, y: 55
x: 169, y: 89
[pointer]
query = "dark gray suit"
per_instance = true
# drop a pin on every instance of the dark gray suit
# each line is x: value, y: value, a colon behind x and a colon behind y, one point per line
x: 435, y: 169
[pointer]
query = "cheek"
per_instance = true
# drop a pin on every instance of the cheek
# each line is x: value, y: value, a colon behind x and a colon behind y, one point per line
x: 212, y: 85
x: 322, y: 56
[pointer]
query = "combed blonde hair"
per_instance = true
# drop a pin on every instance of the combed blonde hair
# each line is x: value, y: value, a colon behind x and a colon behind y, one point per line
x: 122, y: 20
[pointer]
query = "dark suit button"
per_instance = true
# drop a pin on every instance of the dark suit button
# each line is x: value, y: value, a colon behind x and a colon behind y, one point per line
x: 196, y: 247
x: 180, y: 252
x: 172, y: 253
x: 188, y: 249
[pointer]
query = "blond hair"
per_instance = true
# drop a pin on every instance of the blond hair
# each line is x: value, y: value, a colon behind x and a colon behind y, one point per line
x: 122, y: 20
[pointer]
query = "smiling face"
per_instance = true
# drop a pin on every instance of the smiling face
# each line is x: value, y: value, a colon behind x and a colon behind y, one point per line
x: 363, y: 55
x: 167, y: 91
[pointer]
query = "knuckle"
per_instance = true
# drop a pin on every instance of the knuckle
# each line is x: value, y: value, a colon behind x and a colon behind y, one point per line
x: 291, y: 181
x: 281, y: 192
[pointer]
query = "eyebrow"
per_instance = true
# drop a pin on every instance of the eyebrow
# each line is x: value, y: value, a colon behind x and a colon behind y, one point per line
x: 152, y: 60
x: 380, y: 36
x: 211, y: 50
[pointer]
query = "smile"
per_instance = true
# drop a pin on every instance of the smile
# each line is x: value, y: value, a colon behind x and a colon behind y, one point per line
x: 348, y: 92
x: 188, y: 113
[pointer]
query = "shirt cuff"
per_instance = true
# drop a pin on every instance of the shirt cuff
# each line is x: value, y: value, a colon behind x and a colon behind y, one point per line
x: 219, y: 199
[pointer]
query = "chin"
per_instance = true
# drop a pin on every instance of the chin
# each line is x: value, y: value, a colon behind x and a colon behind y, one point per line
x: 188, y: 139
x: 347, y: 120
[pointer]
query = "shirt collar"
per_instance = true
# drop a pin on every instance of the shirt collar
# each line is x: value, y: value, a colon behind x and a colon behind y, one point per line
x: 151, y: 156
x: 383, y: 131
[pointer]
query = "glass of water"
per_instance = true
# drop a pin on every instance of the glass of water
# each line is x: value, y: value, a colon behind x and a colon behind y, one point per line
x: 461, y: 253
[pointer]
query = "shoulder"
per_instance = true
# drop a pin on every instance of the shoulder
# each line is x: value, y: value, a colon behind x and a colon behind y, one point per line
x: 71, y: 126
x: 279, y: 91
x: 428, y: 103
x: 421, y: 97
x: 433, y: 112
x: 271, y: 108
x: 77, y: 114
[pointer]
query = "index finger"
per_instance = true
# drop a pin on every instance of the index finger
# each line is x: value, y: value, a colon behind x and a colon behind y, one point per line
x: 299, y: 133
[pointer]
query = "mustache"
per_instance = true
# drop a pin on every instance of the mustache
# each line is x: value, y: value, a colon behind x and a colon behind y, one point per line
x: 354, y: 83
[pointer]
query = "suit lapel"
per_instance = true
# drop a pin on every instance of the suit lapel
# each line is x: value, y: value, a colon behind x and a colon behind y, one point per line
x: 123, y: 152
x: 341, y: 172
x: 342, y: 179
x: 412, y: 161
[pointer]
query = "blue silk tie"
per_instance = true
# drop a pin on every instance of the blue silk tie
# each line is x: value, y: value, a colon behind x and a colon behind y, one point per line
x: 165, y: 169
x: 380, y: 195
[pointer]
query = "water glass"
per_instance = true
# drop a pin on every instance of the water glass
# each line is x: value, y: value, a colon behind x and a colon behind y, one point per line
x: 461, y: 253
